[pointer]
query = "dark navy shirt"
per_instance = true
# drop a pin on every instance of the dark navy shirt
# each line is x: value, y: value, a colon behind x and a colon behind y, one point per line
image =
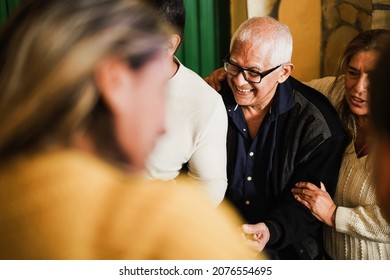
x: 300, y: 139
x: 250, y: 180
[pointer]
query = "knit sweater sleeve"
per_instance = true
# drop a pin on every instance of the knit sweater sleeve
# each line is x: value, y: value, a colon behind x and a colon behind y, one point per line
x: 358, y: 214
x: 208, y: 160
x: 364, y: 222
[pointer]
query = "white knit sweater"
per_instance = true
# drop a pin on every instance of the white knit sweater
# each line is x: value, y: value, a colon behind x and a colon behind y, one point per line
x: 361, y: 232
x: 196, y: 127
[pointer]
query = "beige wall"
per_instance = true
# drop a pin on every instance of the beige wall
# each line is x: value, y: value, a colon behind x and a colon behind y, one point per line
x: 239, y: 13
x: 304, y: 19
x: 321, y: 28
x: 307, y: 44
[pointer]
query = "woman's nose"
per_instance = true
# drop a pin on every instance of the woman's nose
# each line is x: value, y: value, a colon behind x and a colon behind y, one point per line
x: 362, y: 84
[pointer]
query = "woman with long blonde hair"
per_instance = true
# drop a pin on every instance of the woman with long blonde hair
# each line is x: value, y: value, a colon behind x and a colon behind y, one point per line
x: 354, y: 225
x: 81, y: 104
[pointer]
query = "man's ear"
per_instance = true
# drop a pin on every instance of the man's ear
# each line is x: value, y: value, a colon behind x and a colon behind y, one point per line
x: 113, y: 78
x: 174, y: 43
x: 287, y: 68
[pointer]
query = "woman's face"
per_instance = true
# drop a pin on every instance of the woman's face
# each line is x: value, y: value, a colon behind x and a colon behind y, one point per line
x: 141, y: 118
x: 357, y: 81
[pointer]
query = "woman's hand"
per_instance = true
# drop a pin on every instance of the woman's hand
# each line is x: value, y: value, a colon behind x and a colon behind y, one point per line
x: 215, y: 78
x: 317, y: 200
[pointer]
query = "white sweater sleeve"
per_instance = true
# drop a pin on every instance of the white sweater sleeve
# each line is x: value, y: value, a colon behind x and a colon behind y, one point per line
x: 208, y: 161
x: 364, y: 222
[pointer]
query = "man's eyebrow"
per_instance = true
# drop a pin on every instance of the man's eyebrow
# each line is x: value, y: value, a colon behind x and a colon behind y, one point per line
x: 255, y: 68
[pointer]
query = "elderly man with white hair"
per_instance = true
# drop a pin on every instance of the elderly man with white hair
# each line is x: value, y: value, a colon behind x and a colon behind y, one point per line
x: 280, y: 132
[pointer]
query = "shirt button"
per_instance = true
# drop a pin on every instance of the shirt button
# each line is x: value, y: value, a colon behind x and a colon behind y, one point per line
x: 244, y: 129
x: 251, y: 154
x: 247, y: 202
x: 249, y: 178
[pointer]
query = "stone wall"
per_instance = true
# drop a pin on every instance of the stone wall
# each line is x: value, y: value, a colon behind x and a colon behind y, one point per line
x: 341, y: 21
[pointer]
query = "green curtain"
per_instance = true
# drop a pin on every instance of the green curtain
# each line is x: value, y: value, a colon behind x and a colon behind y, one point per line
x: 6, y: 9
x: 207, y: 35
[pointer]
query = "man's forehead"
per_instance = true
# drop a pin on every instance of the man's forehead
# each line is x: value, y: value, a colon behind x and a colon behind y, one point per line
x: 258, y: 43
x: 255, y: 52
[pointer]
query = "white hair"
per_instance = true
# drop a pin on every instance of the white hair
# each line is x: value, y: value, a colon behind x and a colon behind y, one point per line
x: 259, y: 30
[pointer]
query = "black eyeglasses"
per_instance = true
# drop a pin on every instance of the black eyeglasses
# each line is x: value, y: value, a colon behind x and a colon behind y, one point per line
x: 250, y: 76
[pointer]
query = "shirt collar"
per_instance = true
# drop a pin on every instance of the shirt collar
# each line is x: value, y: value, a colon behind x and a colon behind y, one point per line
x: 282, y: 102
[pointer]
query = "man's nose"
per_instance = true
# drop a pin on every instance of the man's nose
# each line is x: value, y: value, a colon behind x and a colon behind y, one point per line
x: 240, y: 78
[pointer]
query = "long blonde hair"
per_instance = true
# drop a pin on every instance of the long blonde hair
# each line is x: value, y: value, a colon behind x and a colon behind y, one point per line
x: 48, y: 52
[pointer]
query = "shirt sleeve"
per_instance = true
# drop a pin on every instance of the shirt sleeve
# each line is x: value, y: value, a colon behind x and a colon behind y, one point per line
x: 165, y: 221
x: 364, y: 222
x: 291, y: 221
x: 203, y: 233
x: 208, y: 161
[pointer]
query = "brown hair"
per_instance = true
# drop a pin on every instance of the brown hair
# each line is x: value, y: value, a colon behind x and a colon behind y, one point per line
x: 48, y: 53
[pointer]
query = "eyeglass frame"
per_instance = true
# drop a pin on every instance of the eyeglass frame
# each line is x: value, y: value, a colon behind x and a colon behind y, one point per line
x: 244, y: 70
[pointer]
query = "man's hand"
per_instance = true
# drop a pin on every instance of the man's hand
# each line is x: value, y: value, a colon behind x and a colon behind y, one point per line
x: 256, y: 236
x: 215, y: 78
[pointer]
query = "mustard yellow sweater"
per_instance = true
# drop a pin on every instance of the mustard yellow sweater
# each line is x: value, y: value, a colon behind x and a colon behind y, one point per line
x: 69, y: 205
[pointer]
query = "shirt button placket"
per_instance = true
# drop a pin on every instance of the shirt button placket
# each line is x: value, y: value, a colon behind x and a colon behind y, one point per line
x: 249, y: 178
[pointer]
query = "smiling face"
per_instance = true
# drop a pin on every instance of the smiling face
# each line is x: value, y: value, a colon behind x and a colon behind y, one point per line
x: 252, y: 57
x: 357, y: 81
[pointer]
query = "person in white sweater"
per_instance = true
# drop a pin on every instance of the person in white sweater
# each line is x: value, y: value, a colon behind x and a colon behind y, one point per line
x: 355, y: 227
x: 196, y: 121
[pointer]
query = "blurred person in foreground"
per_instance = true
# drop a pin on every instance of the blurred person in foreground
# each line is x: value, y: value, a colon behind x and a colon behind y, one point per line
x: 196, y: 122
x: 380, y: 120
x: 280, y: 132
x: 77, y: 108
x: 354, y: 225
